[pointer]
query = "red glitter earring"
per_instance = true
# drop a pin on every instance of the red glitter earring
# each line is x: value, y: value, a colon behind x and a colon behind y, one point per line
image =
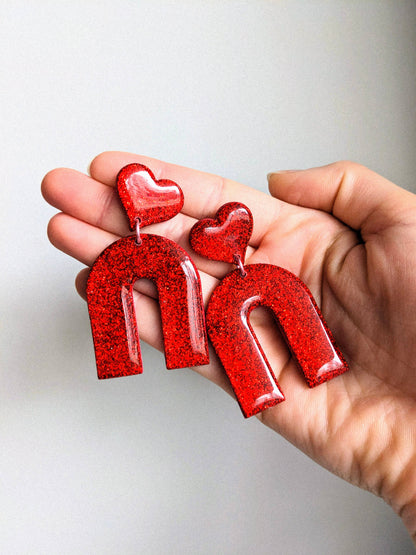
x: 308, y: 337
x: 111, y: 280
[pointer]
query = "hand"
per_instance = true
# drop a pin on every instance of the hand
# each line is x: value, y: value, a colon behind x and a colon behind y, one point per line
x: 350, y: 235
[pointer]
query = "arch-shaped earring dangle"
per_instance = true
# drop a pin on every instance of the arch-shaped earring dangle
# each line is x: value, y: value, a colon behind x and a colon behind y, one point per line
x: 225, y: 238
x: 112, y: 277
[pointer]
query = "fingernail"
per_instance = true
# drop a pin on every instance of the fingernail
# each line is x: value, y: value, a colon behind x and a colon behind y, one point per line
x: 280, y: 171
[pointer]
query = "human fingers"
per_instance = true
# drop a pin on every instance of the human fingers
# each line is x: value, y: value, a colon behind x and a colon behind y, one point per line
x: 97, y: 204
x: 204, y: 192
x: 352, y: 193
x: 85, y: 242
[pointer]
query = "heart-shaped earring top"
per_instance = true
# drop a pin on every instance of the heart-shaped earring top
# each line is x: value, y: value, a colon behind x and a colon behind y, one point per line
x: 224, y: 238
x: 147, y: 198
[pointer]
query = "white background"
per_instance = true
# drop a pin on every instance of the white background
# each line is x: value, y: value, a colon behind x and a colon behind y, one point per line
x: 164, y: 462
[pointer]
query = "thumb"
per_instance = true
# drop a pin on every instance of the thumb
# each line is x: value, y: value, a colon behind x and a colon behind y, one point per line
x: 355, y: 195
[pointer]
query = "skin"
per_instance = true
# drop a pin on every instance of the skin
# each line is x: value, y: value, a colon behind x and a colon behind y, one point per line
x: 349, y: 234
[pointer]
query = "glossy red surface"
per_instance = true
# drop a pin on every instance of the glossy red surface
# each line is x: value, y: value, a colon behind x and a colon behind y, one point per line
x: 226, y: 236
x: 145, y: 197
x: 111, y: 307
x: 300, y: 321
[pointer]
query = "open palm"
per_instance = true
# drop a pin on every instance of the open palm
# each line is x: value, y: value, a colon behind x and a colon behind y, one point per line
x: 349, y: 234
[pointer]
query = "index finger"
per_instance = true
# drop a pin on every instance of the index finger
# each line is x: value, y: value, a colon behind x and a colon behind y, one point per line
x: 204, y: 192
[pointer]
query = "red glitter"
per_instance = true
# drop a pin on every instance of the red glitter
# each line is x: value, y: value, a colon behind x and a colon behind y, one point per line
x: 225, y: 237
x: 145, y: 198
x: 111, y: 308
x: 300, y: 321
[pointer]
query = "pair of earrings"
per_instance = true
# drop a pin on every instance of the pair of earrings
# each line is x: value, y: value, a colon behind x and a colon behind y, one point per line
x: 184, y: 323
